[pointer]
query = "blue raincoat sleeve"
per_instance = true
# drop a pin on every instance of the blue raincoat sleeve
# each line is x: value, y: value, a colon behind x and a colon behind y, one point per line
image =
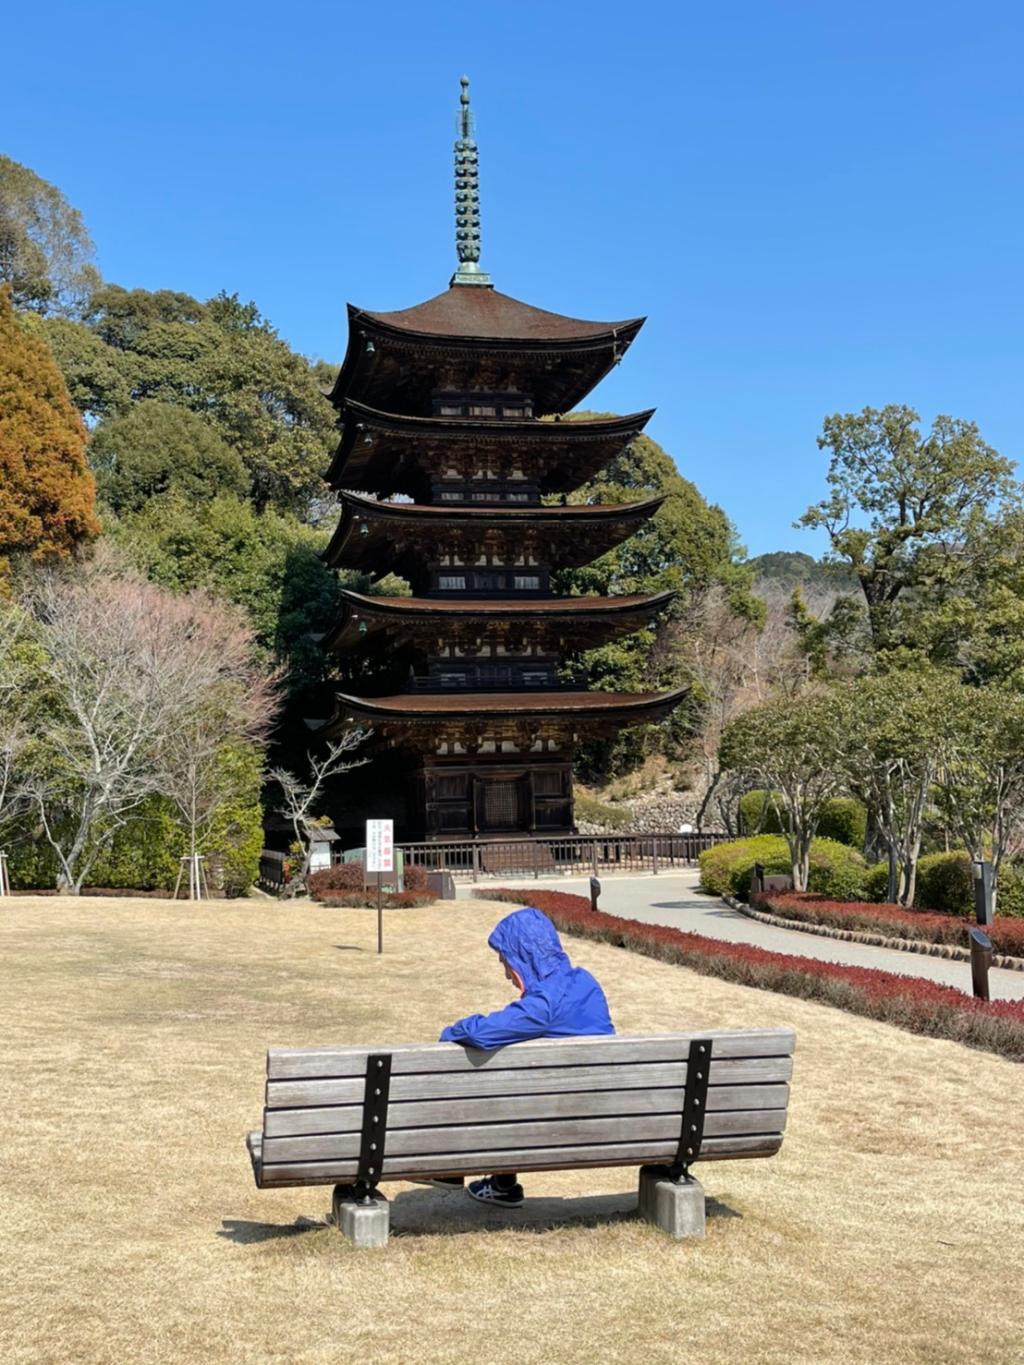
x: 516, y: 1023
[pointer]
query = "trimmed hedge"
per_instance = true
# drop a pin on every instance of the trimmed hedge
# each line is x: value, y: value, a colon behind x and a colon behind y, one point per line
x: 348, y: 878
x: 392, y: 900
x: 844, y: 819
x: 892, y: 921
x: 945, y: 885
x: 836, y: 870
x: 913, y: 1003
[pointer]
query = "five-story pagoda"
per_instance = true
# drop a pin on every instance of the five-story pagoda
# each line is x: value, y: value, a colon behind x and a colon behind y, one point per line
x: 442, y: 469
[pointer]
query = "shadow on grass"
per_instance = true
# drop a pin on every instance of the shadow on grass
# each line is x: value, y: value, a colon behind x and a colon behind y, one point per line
x: 349, y: 948
x: 244, y: 1232
x: 433, y: 1213
x: 724, y: 913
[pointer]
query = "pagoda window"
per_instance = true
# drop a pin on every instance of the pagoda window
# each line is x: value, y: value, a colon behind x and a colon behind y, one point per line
x: 517, y: 497
x: 487, y: 746
x: 526, y: 582
x: 508, y: 746
x: 450, y: 410
x: 455, y: 496
x: 483, y: 410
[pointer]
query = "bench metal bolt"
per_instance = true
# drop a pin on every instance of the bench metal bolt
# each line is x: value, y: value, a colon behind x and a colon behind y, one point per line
x: 981, y: 961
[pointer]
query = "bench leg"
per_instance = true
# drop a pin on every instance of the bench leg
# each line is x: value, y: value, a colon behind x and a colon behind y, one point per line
x: 365, y: 1225
x: 675, y: 1207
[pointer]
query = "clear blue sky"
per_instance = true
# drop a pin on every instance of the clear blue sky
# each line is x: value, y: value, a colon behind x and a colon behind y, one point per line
x: 818, y: 205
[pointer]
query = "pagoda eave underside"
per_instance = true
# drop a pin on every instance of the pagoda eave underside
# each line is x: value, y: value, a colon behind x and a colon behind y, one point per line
x: 550, y: 623
x: 563, y: 537
x: 385, y: 453
x: 408, y: 355
x: 471, y: 718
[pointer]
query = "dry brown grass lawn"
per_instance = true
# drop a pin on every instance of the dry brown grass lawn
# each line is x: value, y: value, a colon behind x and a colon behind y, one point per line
x: 888, y: 1229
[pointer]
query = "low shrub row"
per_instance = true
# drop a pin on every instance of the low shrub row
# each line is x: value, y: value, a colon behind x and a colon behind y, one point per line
x: 392, y: 900
x: 891, y: 921
x: 836, y: 869
x: 945, y: 884
x: 348, y: 878
x: 912, y: 1003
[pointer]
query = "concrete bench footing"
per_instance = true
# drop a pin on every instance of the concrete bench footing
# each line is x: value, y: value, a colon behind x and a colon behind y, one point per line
x: 364, y: 1224
x: 675, y: 1207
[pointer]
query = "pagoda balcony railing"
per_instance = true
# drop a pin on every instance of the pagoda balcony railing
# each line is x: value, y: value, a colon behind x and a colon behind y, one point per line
x: 571, y: 855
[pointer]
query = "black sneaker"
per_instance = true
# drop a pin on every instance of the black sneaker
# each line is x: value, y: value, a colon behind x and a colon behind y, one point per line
x: 488, y: 1193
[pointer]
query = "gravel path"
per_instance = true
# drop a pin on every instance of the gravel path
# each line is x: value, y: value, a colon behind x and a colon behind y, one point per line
x: 674, y: 899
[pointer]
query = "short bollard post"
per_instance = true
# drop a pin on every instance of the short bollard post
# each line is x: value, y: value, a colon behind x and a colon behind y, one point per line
x: 5, y: 881
x: 981, y: 961
x: 595, y: 891
x: 757, y: 880
x: 984, y: 910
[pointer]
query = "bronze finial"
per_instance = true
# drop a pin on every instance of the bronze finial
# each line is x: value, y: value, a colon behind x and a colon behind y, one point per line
x: 467, y: 197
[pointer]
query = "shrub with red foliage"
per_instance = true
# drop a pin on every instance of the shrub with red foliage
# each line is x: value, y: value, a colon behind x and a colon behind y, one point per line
x: 910, y: 1002
x: 367, y: 900
x: 892, y: 921
x: 349, y: 877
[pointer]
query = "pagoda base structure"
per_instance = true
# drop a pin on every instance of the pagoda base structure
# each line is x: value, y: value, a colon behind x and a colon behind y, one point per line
x: 490, y: 764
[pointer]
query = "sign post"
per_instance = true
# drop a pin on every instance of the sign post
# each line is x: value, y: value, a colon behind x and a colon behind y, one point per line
x: 380, y: 858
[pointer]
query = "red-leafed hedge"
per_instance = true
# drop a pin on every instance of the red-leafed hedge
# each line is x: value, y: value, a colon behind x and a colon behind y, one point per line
x: 910, y: 1002
x: 894, y: 921
x: 367, y: 900
x: 348, y: 878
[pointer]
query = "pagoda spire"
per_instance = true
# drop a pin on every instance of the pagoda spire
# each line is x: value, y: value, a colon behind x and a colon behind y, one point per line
x: 467, y: 198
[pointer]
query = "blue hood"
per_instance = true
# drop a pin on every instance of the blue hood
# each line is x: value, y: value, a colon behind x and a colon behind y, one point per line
x: 558, y: 1000
x: 529, y: 943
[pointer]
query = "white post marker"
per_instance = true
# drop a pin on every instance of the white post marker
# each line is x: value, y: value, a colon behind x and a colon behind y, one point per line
x: 380, y: 858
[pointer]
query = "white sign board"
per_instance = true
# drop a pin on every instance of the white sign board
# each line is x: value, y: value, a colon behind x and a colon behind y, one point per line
x: 380, y: 845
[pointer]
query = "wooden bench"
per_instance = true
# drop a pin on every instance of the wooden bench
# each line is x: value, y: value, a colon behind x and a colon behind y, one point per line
x: 353, y: 1117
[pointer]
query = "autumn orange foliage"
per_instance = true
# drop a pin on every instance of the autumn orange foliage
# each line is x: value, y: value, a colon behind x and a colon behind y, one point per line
x: 47, y: 492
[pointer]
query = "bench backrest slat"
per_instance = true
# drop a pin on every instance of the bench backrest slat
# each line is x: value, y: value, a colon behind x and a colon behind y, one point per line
x: 543, y: 1105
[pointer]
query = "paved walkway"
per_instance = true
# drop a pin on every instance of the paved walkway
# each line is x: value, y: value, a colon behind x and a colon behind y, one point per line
x: 674, y: 899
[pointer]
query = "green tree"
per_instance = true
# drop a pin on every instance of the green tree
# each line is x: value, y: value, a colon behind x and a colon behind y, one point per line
x: 156, y: 448
x: 47, y: 494
x: 220, y: 359
x: 793, y: 748
x: 46, y: 255
x: 907, y: 513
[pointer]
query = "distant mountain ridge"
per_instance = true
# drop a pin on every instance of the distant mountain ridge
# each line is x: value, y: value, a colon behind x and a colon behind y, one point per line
x: 793, y: 568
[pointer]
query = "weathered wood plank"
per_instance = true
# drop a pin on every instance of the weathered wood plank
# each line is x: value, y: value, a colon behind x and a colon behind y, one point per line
x: 531, y: 1080
x: 593, y: 1104
x: 481, y: 1163
x: 411, y: 1058
x: 529, y: 1134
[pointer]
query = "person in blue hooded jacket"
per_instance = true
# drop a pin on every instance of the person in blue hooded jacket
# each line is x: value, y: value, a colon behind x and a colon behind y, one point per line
x: 556, y: 1000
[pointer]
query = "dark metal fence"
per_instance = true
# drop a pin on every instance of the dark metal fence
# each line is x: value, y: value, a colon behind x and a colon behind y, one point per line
x: 562, y: 856
x: 271, y: 876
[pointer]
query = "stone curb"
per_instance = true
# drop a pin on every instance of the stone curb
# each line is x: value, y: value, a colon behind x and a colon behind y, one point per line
x: 903, y: 945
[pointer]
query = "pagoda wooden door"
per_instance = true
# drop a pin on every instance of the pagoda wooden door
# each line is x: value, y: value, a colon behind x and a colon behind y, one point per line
x: 501, y: 804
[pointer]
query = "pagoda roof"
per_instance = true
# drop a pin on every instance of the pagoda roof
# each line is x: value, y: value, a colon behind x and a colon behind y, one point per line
x: 395, y: 530
x: 388, y: 452
x: 489, y: 315
x: 411, y: 347
x: 551, y: 709
x: 575, y: 618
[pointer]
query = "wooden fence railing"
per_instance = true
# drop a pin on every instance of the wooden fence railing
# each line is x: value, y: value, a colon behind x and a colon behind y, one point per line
x: 577, y: 855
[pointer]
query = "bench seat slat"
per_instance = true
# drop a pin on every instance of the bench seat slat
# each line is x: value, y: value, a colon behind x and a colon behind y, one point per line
x: 418, y: 1114
x: 523, y: 1159
x: 411, y: 1058
x: 508, y: 1136
x: 531, y: 1080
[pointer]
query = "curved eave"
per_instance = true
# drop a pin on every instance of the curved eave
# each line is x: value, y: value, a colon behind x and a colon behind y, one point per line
x: 578, y: 708
x: 387, y: 521
x: 364, y: 326
x: 557, y: 387
x: 398, y: 430
x: 405, y: 614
